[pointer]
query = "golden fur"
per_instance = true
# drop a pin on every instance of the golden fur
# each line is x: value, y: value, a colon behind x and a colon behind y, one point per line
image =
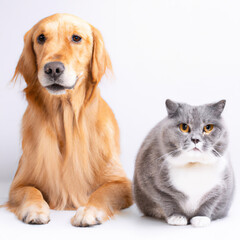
x: 70, y: 142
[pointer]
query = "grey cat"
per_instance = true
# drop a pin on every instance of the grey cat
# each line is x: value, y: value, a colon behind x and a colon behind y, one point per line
x: 183, y: 173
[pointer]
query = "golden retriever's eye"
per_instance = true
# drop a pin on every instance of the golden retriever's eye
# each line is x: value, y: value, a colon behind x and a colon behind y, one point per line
x: 208, y: 128
x: 41, y: 39
x: 76, y: 38
x: 184, y: 127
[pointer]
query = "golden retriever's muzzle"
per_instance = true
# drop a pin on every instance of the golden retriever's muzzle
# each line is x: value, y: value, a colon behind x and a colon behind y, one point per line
x: 53, y: 72
x: 56, y: 78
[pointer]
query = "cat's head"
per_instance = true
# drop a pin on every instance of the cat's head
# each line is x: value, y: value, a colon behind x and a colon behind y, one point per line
x: 195, y: 132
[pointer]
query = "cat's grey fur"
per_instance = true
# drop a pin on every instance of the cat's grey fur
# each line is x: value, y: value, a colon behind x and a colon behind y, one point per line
x: 154, y: 191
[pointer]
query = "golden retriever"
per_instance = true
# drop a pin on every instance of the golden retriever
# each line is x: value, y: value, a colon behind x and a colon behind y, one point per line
x: 70, y: 137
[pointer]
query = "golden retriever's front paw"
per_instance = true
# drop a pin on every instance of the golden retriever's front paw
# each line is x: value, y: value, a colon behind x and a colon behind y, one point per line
x: 89, y: 216
x: 35, y: 214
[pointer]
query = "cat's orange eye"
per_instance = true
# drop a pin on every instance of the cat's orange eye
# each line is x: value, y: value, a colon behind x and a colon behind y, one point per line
x: 208, y: 128
x: 184, y: 127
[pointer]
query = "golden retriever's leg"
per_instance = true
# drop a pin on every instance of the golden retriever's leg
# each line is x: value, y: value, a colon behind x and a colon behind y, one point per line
x: 28, y: 205
x: 103, y: 203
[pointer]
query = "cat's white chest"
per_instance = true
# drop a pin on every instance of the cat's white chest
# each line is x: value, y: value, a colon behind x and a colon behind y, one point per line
x: 195, y: 179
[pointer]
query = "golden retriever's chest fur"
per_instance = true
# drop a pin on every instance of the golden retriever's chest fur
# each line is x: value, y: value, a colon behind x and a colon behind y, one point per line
x: 62, y: 157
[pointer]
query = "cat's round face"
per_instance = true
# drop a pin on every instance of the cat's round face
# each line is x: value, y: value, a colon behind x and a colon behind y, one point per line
x: 195, y: 133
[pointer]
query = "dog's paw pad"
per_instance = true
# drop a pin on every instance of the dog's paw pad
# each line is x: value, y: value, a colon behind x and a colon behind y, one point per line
x: 88, y: 216
x: 36, y: 218
x: 200, y: 221
x: 34, y: 214
x: 177, y: 220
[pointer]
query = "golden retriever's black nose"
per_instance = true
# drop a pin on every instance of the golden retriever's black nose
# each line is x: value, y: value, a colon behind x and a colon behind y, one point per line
x: 54, y: 69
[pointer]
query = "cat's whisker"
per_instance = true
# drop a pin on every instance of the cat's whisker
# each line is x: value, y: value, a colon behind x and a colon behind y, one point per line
x: 213, y: 153
x: 168, y: 154
x: 216, y: 152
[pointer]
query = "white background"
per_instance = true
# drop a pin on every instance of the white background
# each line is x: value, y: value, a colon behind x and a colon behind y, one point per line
x: 186, y: 50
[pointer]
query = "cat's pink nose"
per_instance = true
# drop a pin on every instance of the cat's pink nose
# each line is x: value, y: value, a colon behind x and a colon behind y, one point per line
x: 195, y: 140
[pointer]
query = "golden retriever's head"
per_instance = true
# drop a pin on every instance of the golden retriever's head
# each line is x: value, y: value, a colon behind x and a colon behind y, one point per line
x: 60, y: 52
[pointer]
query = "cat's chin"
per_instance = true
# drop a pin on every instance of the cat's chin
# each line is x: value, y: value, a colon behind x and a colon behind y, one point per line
x: 193, y: 156
x: 195, y: 153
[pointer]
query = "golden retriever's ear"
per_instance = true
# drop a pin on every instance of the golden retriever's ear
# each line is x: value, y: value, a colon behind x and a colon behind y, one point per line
x: 100, y: 58
x: 27, y: 63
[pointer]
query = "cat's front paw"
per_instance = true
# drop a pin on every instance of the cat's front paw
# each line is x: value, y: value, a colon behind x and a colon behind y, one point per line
x: 177, y: 220
x: 200, y: 221
x: 88, y: 216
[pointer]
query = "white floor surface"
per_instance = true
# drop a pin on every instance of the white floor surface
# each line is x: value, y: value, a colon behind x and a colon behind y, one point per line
x: 129, y: 224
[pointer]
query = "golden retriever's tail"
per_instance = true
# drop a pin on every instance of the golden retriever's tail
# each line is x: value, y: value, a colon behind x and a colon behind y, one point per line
x: 4, y: 205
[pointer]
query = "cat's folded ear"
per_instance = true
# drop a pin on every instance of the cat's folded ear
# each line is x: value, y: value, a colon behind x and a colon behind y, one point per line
x: 217, y: 108
x: 171, y: 107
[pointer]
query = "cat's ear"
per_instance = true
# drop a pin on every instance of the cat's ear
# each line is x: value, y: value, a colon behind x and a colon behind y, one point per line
x: 217, y: 108
x: 171, y: 107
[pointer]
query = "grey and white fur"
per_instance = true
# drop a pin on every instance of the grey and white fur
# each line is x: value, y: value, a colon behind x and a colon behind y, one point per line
x: 185, y: 177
